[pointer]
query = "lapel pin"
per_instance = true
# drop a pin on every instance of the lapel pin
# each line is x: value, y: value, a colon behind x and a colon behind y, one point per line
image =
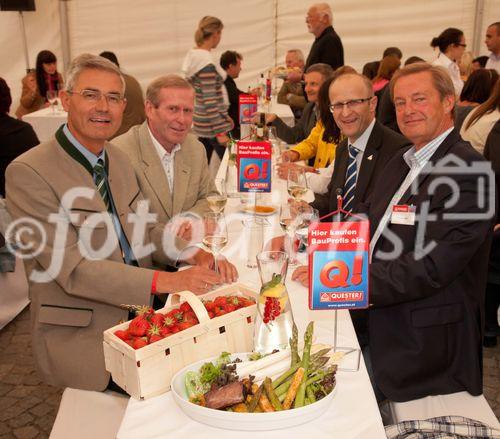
x: 369, y: 157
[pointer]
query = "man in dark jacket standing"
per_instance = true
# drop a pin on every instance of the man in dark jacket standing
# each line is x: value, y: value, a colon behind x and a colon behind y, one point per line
x: 327, y: 47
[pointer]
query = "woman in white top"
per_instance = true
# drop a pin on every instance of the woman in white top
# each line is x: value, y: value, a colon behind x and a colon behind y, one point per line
x: 211, y: 122
x: 451, y: 44
x: 479, y: 122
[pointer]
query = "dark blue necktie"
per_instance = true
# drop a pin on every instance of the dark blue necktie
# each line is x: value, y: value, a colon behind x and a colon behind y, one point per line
x: 350, y: 180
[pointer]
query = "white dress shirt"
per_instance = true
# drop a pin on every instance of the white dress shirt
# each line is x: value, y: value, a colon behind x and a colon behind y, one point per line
x: 493, y: 62
x: 453, y: 69
x: 166, y: 159
x: 416, y: 160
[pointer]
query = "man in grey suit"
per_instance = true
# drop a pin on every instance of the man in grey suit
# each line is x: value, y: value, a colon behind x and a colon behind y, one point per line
x: 169, y: 162
x: 79, y: 194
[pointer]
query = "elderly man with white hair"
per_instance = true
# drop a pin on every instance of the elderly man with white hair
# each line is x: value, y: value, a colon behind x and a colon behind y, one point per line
x: 327, y: 47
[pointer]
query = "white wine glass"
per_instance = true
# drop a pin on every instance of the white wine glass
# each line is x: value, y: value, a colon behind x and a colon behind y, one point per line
x: 218, y: 201
x: 215, y: 238
x: 288, y: 224
x: 306, y: 218
x: 52, y: 99
x: 296, y: 182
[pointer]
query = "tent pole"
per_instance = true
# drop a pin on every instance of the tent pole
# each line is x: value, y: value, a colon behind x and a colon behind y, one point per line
x: 25, y: 43
x: 477, y: 27
x: 63, y: 22
x: 275, y: 33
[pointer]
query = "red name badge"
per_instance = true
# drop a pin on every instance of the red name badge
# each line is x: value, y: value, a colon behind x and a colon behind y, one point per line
x: 339, y: 265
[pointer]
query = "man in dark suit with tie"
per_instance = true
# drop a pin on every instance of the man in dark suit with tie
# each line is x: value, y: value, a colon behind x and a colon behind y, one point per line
x: 431, y: 225
x: 359, y: 159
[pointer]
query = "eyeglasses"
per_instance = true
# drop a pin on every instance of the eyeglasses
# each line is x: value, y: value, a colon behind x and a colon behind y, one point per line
x: 96, y: 95
x: 351, y: 105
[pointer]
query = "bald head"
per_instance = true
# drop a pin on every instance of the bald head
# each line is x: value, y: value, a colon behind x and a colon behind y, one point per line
x: 353, y: 104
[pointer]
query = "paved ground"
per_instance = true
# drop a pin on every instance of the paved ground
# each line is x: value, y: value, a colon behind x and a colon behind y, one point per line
x: 28, y: 407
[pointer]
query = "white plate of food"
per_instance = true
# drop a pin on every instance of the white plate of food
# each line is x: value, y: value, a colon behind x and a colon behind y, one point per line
x: 252, y: 411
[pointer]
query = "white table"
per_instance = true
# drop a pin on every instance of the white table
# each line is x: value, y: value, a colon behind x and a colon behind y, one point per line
x: 45, y: 122
x: 353, y: 413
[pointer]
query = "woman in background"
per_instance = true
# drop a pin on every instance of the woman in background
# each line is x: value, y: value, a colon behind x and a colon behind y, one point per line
x: 451, y: 44
x: 211, y: 121
x: 387, y: 68
x: 478, y: 124
x: 36, y: 84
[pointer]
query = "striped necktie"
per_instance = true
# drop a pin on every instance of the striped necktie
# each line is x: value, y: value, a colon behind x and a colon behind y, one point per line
x: 350, y: 181
x: 101, y: 183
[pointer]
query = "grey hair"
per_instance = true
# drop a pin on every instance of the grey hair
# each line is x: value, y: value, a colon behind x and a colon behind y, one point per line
x: 166, y: 81
x: 88, y: 61
x: 325, y: 9
x: 321, y: 68
x: 298, y: 53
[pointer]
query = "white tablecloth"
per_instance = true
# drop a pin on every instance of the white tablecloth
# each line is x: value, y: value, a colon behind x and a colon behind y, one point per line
x: 353, y: 413
x: 45, y: 122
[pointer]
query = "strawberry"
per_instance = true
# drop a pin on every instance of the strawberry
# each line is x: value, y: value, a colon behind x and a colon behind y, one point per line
x: 185, y: 307
x: 211, y: 314
x: 123, y: 335
x: 177, y: 314
x: 139, y: 342
x: 209, y: 305
x: 220, y: 301
x: 154, y: 334
x: 185, y: 325
x: 174, y: 328
x: 164, y: 331
x: 144, y: 311
x: 169, y: 321
x: 157, y: 319
x: 139, y: 326
x: 244, y: 301
x: 190, y: 316
x: 220, y: 311
x: 234, y: 300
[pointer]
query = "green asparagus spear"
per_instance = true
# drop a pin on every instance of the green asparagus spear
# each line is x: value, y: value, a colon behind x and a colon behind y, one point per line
x: 271, y: 395
x: 320, y: 353
x: 299, y: 398
x: 255, y: 399
x: 310, y: 394
x: 294, y: 345
x: 284, y: 376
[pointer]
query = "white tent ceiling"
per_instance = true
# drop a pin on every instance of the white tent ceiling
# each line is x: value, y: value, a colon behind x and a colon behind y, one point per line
x: 150, y: 37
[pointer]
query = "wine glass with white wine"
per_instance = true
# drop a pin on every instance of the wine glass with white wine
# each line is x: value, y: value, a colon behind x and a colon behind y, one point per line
x: 52, y: 98
x: 215, y: 233
x: 217, y: 201
x: 296, y: 182
x: 289, y: 225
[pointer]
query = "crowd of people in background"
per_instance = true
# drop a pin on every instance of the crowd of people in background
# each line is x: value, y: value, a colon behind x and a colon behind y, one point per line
x: 351, y: 129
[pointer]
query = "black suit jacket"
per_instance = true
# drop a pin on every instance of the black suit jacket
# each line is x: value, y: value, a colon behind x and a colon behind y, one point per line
x: 382, y: 145
x: 302, y: 128
x: 328, y: 49
x: 233, y: 93
x: 425, y: 324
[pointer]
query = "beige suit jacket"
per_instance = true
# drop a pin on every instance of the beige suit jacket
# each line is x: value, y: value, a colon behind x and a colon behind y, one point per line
x: 70, y: 312
x: 192, y: 182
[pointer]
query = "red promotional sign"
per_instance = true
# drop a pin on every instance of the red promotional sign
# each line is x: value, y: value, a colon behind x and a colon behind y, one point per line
x: 254, y: 166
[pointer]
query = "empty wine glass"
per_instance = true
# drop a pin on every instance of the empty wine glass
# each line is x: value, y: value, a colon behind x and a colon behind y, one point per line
x: 288, y: 223
x: 217, y: 202
x: 52, y: 98
x: 215, y: 237
x: 306, y: 218
x: 296, y: 182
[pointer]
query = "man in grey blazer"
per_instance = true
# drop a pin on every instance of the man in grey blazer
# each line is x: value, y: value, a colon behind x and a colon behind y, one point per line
x: 84, y: 258
x: 169, y: 162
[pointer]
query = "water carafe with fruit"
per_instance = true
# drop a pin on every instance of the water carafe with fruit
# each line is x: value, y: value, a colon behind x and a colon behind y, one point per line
x: 274, y: 322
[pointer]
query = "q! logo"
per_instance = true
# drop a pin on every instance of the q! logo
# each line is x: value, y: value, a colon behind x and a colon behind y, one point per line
x: 253, y: 172
x: 337, y: 279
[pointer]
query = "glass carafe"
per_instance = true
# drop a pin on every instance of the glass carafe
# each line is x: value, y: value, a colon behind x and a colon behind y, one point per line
x: 273, y: 326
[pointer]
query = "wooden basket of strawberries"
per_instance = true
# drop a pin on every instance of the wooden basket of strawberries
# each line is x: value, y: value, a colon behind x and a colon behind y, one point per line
x: 143, y: 354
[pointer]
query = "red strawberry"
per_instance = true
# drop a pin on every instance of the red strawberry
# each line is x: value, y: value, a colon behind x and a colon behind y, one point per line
x: 190, y: 317
x: 145, y: 311
x: 185, y: 325
x: 139, y: 326
x: 220, y: 311
x: 211, y: 314
x: 157, y: 319
x: 164, y: 331
x: 169, y: 321
x: 154, y: 334
x: 244, y: 301
x: 209, y: 305
x: 124, y: 335
x: 174, y: 328
x: 185, y: 307
x: 140, y: 342
x: 230, y: 307
x: 220, y: 301
x: 177, y: 314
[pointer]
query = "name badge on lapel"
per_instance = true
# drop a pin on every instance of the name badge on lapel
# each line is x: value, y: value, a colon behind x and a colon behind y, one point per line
x: 403, y: 214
